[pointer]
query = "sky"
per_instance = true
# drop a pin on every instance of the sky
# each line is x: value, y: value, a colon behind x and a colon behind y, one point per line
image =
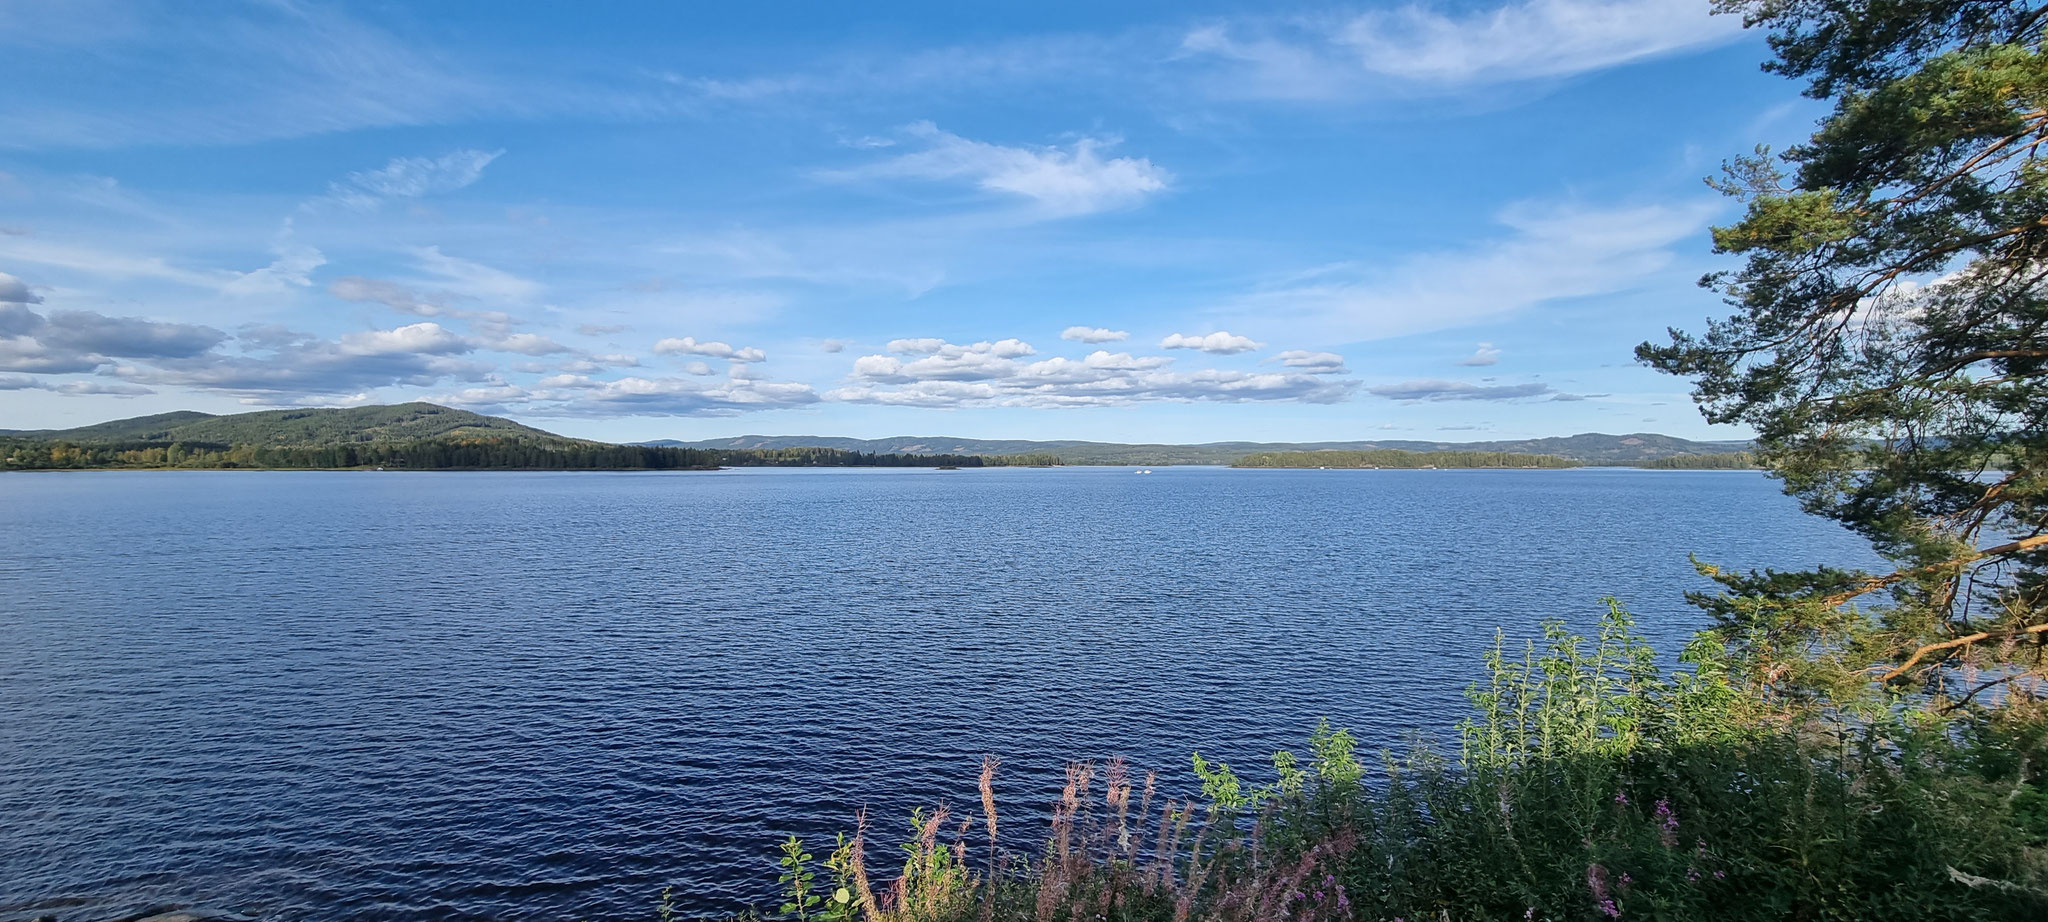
x: 1176, y: 222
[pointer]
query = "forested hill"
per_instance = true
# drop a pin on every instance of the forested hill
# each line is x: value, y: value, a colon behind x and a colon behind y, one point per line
x: 413, y: 436
x: 403, y: 422
x: 1588, y: 448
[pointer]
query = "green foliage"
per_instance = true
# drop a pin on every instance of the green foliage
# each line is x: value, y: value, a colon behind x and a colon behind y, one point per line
x: 1890, y: 347
x: 1724, y: 461
x: 797, y: 881
x: 1590, y: 784
x: 1388, y: 458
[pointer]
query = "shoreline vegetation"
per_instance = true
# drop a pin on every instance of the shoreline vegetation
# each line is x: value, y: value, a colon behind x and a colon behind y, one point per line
x: 422, y: 436
x: 1588, y: 783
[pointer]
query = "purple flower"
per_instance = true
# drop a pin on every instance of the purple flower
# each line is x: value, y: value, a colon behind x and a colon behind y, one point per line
x: 1612, y: 911
x: 1596, y: 881
x: 1621, y: 797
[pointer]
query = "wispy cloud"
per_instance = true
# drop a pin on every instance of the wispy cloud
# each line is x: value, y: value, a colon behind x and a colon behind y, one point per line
x: 411, y: 177
x: 1418, y: 49
x: 1550, y: 252
x: 247, y: 73
x: 1433, y: 389
x: 1075, y: 180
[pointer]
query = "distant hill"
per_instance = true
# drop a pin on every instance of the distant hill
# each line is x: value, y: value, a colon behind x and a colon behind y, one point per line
x: 398, y: 423
x: 1587, y: 448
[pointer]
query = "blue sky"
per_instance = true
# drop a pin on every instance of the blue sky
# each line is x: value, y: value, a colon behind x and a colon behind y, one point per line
x: 1163, y: 222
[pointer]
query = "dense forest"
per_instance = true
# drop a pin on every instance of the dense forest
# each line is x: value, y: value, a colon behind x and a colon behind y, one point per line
x: 1728, y: 461
x: 493, y: 453
x: 1390, y: 458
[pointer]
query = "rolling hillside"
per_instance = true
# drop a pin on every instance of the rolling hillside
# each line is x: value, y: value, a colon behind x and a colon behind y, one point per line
x: 398, y: 423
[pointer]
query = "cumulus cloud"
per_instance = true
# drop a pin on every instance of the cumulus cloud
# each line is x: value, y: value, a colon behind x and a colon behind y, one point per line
x: 411, y: 177
x: 15, y: 291
x: 423, y: 338
x: 688, y: 345
x: 1486, y: 354
x: 833, y: 345
x: 1433, y: 389
x: 1094, y: 335
x: 1217, y: 343
x: 1315, y: 363
x: 982, y: 375
x: 923, y: 346
x: 1418, y: 50
x: 1075, y: 180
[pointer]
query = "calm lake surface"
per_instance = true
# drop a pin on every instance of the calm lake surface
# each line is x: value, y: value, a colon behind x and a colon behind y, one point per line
x: 414, y: 696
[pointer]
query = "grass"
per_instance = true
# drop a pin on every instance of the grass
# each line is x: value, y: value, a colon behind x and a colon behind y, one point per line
x: 1589, y: 784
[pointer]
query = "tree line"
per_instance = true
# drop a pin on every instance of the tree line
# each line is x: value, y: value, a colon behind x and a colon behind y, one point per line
x: 456, y: 454
x: 1394, y: 458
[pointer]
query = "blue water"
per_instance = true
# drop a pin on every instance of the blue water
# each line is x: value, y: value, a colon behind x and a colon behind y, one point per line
x: 335, y: 696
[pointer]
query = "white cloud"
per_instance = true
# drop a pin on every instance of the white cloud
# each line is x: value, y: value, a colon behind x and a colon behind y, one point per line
x: 833, y: 345
x: 423, y: 338
x: 923, y: 346
x: 1315, y: 363
x: 412, y: 177
x: 1094, y: 335
x: 981, y: 375
x: 1076, y: 180
x: 688, y: 345
x: 1538, y: 38
x: 1416, y: 49
x: 1217, y: 343
x: 1486, y: 354
x: 1550, y: 252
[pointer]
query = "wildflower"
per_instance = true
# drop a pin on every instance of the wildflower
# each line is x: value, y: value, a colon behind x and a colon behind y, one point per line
x: 1626, y: 880
x: 1692, y: 875
x: 1608, y: 908
x: 1596, y: 881
x: 1667, y: 824
x: 1621, y: 797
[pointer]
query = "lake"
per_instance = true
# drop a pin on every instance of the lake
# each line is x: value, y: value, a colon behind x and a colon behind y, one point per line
x: 427, y: 696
